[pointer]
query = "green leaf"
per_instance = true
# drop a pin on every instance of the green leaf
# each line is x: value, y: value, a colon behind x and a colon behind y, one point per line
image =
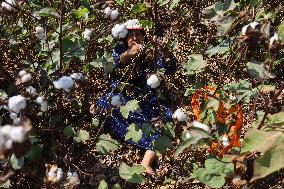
x: 134, y: 133
x: 116, y: 186
x: 119, y: 2
x: 130, y: 106
x: 139, y: 8
x: 95, y: 122
x: 224, y: 25
x: 195, y: 64
x: 270, y: 144
x: 103, y: 185
x: 106, y: 144
x: 16, y: 163
x: 132, y: 174
x: 174, y: 3
x: 81, y: 12
x: 169, y: 130
x: 35, y: 153
x: 206, y: 177
x: 162, y: 143
x: 3, y: 94
x: 147, y: 23
x: 81, y: 136
x: 281, y: 31
x: 69, y: 131
x: 147, y: 129
x: 258, y: 70
x: 47, y: 11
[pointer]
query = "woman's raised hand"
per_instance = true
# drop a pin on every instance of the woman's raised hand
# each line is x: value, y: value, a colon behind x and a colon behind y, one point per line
x: 134, y: 51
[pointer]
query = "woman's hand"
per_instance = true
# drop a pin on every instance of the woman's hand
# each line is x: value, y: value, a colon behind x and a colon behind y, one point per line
x: 133, y: 52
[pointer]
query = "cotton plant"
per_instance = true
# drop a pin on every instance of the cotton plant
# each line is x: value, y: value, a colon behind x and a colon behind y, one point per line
x: 40, y: 33
x: 87, y: 34
x: 31, y: 90
x: 17, y: 103
x: 43, y: 103
x: 180, y: 115
x: 77, y: 76
x: 250, y: 27
x: 25, y: 76
x: 9, y: 5
x: 153, y: 81
x: 55, y: 174
x: 115, y: 100
x: 119, y: 31
x: 110, y: 13
x: 65, y: 83
x: 199, y: 125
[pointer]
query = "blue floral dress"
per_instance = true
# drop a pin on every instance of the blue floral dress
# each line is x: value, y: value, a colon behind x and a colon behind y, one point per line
x: 151, y: 106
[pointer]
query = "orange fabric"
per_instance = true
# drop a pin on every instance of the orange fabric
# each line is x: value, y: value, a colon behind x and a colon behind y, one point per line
x: 222, y: 115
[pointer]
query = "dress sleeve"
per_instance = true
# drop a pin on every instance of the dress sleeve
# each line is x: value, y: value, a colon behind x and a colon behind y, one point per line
x: 169, y: 66
x: 116, y: 54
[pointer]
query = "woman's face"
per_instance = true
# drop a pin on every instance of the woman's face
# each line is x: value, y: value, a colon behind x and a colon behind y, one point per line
x: 135, y: 37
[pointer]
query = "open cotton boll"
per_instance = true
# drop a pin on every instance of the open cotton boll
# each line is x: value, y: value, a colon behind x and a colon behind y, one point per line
x: 59, y: 174
x: 26, y: 78
x: 17, y: 103
x: 201, y: 126
x: 13, y: 115
x: 17, y: 134
x: 17, y: 121
x: 119, y: 31
x: 31, y: 90
x: 114, y: 14
x: 43, y: 106
x: 244, y: 29
x: 273, y: 39
x: 22, y: 73
x: 153, y: 81
x: 8, y: 144
x: 39, y: 30
x: 115, y: 100
x: 65, y: 83
x: 87, y: 34
x: 6, y: 129
x: 180, y: 115
x: 253, y: 25
x: 8, y: 5
x: 76, y: 76
x: 39, y: 100
x: 69, y: 175
x: 107, y: 11
x: 225, y: 141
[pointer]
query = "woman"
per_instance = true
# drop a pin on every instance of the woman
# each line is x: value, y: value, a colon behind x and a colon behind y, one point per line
x: 131, y: 59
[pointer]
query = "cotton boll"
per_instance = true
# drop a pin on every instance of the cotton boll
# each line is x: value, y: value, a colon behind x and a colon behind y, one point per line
x: 8, y: 5
x: 17, y: 134
x: 6, y: 129
x: 17, y: 103
x: 22, y: 73
x: 40, y: 36
x: 87, y: 34
x: 201, y: 126
x: 75, y: 175
x: 39, y: 30
x: 13, y: 115
x: 26, y: 78
x: 253, y: 25
x: 39, y: 100
x: 115, y: 100
x: 65, y: 83
x: 273, y: 39
x: 8, y: 144
x: 180, y: 115
x: 153, y: 81
x: 225, y: 141
x: 40, y: 33
x: 43, y: 106
x: 114, y: 14
x: 17, y: 121
x: 77, y: 76
x: 31, y: 90
x: 107, y: 11
x: 69, y: 175
x: 119, y: 31
x: 59, y: 174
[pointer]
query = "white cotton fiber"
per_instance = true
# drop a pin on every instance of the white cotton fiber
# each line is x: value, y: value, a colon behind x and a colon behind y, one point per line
x: 114, y: 14
x: 77, y: 76
x: 43, y: 106
x: 153, y: 81
x: 65, y: 83
x: 7, y: 5
x: 225, y: 141
x: 87, y: 34
x: 31, y: 90
x: 119, y: 31
x: 180, y: 115
x: 115, y: 100
x: 107, y: 11
x: 201, y: 126
x: 274, y: 38
x: 17, y: 103
x: 22, y: 73
x: 26, y: 78
x: 17, y: 134
x: 13, y: 115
